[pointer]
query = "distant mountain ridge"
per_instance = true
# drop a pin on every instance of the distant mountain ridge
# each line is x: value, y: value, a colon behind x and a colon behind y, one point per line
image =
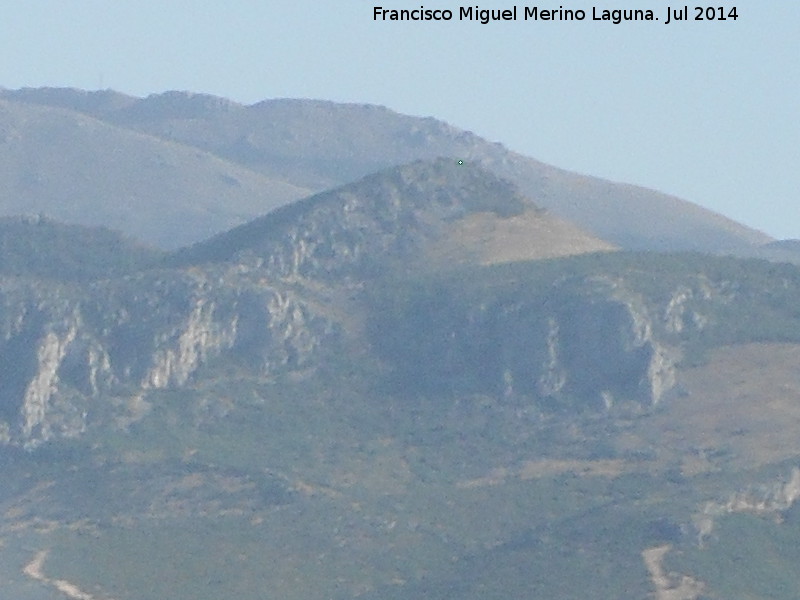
x: 316, y: 145
x: 37, y: 247
x: 420, y: 383
x: 289, y: 290
x: 424, y: 213
x: 88, y: 314
x: 78, y: 169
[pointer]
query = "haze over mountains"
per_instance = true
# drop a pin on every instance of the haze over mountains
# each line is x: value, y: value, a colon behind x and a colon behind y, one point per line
x: 255, y: 158
x: 373, y: 356
x: 84, y: 171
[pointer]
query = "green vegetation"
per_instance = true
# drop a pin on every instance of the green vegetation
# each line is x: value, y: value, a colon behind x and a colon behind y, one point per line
x: 458, y: 315
x: 372, y: 426
x: 332, y: 484
x: 747, y: 556
x: 361, y: 219
x: 743, y: 286
x: 39, y: 247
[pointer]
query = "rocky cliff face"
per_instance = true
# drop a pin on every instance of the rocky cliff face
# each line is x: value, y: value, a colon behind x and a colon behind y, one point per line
x: 262, y: 298
x: 587, y: 344
x: 590, y: 333
x: 274, y: 296
x: 584, y: 348
x: 766, y: 500
x: 354, y: 232
x: 66, y: 350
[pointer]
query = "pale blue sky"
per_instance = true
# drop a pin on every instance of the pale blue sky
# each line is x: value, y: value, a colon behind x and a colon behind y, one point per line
x: 704, y: 110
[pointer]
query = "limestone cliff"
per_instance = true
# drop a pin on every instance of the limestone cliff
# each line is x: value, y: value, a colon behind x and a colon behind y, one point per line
x: 569, y: 347
x: 262, y: 298
x: 765, y: 499
x: 588, y: 333
x: 64, y: 350
x: 353, y: 269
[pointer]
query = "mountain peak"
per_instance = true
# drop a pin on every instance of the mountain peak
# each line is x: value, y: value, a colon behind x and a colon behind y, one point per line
x: 446, y: 210
x: 314, y: 145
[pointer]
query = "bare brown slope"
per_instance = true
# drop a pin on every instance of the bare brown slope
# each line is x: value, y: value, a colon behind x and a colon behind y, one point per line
x: 486, y: 238
x: 78, y: 169
x: 319, y: 144
x: 633, y: 217
x: 424, y: 214
x: 742, y: 407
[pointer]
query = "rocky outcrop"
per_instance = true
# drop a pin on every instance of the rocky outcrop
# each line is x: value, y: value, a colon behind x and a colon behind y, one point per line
x: 591, y: 333
x: 669, y: 585
x: 247, y: 298
x: 64, y: 350
x: 572, y: 346
x: 592, y: 351
x: 354, y: 232
x: 315, y: 145
x: 766, y: 500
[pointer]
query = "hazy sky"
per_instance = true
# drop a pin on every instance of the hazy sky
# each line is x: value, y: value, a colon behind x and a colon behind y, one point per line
x: 704, y: 110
